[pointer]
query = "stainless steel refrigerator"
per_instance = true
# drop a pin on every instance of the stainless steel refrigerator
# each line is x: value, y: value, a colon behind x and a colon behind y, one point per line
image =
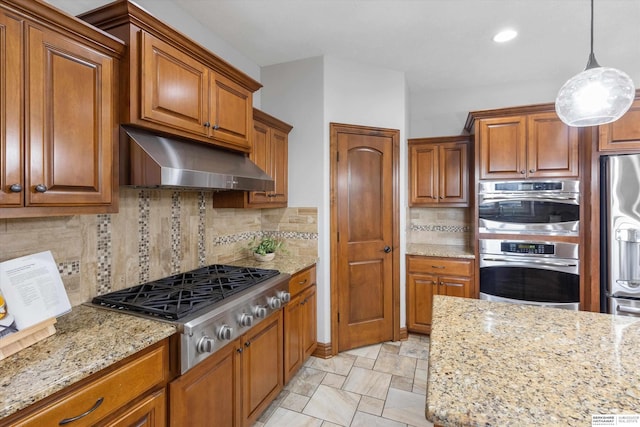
x: 621, y: 235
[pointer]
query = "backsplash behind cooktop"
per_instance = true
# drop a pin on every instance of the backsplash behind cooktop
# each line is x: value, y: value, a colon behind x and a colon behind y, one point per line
x: 155, y: 233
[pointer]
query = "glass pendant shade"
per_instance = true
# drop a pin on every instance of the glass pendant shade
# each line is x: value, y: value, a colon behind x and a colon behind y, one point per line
x: 594, y: 97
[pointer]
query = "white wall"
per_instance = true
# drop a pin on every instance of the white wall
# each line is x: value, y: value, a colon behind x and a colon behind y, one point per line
x: 310, y: 94
x: 444, y: 112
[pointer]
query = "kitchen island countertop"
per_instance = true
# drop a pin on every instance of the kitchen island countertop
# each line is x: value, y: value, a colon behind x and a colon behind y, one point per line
x: 504, y: 364
x: 87, y: 340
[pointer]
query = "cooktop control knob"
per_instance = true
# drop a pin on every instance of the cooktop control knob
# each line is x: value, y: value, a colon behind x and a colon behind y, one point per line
x: 205, y: 345
x: 260, y: 312
x: 274, y: 303
x: 284, y: 296
x: 225, y: 332
x: 246, y: 320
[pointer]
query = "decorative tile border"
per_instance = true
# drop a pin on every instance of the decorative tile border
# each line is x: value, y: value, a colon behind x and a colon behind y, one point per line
x: 69, y: 268
x: 202, y: 210
x: 103, y: 253
x: 176, y: 233
x: 144, y: 208
x: 240, y: 237
x: 441, y: 228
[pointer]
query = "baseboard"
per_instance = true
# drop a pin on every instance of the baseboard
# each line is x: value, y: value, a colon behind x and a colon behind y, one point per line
x: 404, y: 334
x: 323, y: 350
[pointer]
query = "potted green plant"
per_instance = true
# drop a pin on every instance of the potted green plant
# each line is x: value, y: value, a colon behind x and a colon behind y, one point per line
x: 265, y: 248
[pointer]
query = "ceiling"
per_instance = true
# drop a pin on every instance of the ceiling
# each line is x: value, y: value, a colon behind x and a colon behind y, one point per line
x: 439, y: 44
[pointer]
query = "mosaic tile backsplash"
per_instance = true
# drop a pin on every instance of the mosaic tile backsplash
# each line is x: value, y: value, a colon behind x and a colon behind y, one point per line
x: 446, y: 226
x: 155, y: 234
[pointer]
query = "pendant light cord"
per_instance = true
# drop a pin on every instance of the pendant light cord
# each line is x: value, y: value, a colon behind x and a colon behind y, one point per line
x: 592, y: 63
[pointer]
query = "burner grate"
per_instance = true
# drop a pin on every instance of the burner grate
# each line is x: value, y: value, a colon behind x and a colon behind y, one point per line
x: 179, y: 295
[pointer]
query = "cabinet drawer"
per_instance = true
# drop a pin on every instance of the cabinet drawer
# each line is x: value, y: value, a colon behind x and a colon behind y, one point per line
x: 106, y: 394
x: 302, y: 280
x: 446, y: 266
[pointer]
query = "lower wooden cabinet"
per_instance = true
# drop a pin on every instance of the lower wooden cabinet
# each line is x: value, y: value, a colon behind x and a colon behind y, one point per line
x: 236, y: 384
x: 300, y: 314
x: 429, y: 276
x: 132, y: 393
x: 149, y: 412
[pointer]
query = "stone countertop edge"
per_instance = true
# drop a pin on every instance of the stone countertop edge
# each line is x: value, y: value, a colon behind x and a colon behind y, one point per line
x: 446, y: 251
x: 87, y: 340
x: 505, y: 364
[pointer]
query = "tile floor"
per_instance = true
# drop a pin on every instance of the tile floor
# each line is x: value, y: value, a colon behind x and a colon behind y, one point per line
x: 382, y: 385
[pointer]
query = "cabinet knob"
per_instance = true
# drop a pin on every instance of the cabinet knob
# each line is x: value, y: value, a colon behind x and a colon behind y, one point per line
x: 523, y: 171
x: 207, y: 124
x: 41, y: 188
x: 216, y: 127
x: 15, y: 188
x: 442, y: 197
x: 532, y: 170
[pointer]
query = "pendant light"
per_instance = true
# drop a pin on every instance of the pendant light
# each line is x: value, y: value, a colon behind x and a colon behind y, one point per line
x: 596, y: 96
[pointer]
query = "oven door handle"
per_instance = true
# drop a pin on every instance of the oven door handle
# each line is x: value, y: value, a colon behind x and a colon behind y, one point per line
x: 573, y: 200
x: 627, y: 309
x: 530, y: 261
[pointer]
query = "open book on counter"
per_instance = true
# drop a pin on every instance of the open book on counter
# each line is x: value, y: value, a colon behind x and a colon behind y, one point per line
x: 31, y: 292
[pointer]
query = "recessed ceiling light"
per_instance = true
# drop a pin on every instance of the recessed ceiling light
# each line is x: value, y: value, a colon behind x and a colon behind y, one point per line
x: 505, y: 36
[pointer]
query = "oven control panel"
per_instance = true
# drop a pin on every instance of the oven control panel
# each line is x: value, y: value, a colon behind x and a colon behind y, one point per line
x: 528, y: 248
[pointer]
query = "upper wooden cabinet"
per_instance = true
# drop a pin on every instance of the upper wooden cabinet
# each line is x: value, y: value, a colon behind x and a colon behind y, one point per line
x: 169, y: 83
x: 58, y: 123
x: 623, y: 134
x: 439, y: 171
x: 517, y: 144
x: 270, y: 152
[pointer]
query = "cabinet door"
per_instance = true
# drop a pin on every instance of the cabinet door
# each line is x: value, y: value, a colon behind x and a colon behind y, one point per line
x: 209, y: 391
x: 623, y: 134
x: 231, y: 112
x: 11, y: 123
x: 261, y: 156
x: 454, y: 174
x: 423, y: 174
x: 262, y: 362
x: 149, y: 412
x: 174, y: 87
x: 420, y: 291
x: 552, y: 147
x: 279, y: 166
x: 454, y: 286
x: 293, y: 337
x: 503, y: 147
x: 309, y: 320
x: 70, y: 146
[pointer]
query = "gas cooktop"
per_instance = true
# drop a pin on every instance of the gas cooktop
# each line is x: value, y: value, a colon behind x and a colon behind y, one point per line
x: 180, y: 295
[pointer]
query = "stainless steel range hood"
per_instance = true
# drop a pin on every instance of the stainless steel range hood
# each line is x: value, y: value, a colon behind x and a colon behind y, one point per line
x: 148, y: 159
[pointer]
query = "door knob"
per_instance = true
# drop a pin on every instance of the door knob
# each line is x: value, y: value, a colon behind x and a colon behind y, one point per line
x: 387, y: 249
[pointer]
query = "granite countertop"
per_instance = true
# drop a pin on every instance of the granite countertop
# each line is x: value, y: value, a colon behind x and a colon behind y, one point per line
x: 503, y: 364
x: 282, y: 262
x: 449, y: 251
x: 87, y: 340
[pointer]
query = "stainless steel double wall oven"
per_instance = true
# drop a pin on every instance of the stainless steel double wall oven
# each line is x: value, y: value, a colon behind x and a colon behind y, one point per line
x: 521, y: 259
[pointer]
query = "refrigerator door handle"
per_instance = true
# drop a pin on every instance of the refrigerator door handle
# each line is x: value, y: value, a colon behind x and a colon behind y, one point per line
x: 628, y: 309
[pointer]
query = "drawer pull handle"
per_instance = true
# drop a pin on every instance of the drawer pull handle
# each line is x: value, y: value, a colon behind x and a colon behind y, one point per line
x: 76, y: 418
x: 302, y: 282
x: 437, y: 266
x: 458, y: 285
